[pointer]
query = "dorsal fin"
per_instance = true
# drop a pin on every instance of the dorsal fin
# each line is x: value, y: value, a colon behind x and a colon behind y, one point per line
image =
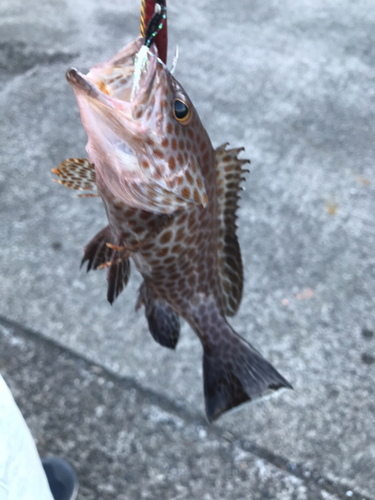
x: 229, y: 171
x: 77, y: 173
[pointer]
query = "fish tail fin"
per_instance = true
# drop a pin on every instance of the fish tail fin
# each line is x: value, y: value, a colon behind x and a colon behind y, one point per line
x: 233, y: 371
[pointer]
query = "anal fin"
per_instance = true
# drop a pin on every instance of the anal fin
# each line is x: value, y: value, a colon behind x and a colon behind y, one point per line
x: 163, y: 322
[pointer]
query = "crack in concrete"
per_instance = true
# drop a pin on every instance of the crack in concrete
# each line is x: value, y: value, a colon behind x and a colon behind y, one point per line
x: 308, y: 476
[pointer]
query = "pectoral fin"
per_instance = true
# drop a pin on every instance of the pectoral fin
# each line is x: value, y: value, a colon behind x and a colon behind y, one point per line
x: 77, y: 173
x: 98, y: 254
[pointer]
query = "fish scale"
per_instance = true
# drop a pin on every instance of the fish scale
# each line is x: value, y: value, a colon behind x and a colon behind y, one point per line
x: 171, y: 202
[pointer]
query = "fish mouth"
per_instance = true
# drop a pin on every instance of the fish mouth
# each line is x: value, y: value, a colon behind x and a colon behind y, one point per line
x: 113, y: 97
x: 123, y: 83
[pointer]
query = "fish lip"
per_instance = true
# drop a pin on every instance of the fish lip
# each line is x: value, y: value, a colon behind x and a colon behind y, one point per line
x: 77, y: 80
x: 81, y: 83
x: 110, y: 110
x: 120, y: 116
x: 85, y: 87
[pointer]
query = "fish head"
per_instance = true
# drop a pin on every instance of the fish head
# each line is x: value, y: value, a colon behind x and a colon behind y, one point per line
x: 142, y: 130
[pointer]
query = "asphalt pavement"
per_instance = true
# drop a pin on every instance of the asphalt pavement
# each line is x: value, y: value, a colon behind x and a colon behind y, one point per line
x: 293, y: 82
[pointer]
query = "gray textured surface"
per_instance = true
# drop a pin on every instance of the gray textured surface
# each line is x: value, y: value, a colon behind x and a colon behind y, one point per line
x: 294, y: 84
x: 127, y: 443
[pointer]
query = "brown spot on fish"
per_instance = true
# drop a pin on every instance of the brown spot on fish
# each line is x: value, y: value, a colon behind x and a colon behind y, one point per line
x: 182, y: 218
x: 189, y: 178
x: 138, y: 230
x: 139, y: 114
x: 145, y: 164
x: 169, y: 128
x: 103, y: 88
x: 185, y: 192
x: 204, y: 169
x: 169, y: 260
x: 181, y: 144
x: 165, y: 142
x: 172, y: 163
x: 163, y: 251
x: 128, y: 211
x: 199, y: 183
x: 180, y: 159
x: 177, y: 129
x: 166, y: 237
x: 174, y: 144
x: 191, y: 134
x: 192, y: 220
x: 145, y: 215
x: 149, y: 141
x: 147, y: 254
x: 158, y: 153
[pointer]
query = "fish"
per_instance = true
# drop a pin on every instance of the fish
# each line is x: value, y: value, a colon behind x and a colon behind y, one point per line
x: 171, y: 201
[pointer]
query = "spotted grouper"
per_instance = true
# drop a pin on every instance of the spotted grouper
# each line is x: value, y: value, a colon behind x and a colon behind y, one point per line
x: 171, y: 202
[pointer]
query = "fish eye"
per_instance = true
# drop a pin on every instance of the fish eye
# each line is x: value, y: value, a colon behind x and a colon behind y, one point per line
x: 181, y: 111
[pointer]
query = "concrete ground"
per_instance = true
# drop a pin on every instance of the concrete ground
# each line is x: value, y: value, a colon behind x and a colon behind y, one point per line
x: 293, y: 82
